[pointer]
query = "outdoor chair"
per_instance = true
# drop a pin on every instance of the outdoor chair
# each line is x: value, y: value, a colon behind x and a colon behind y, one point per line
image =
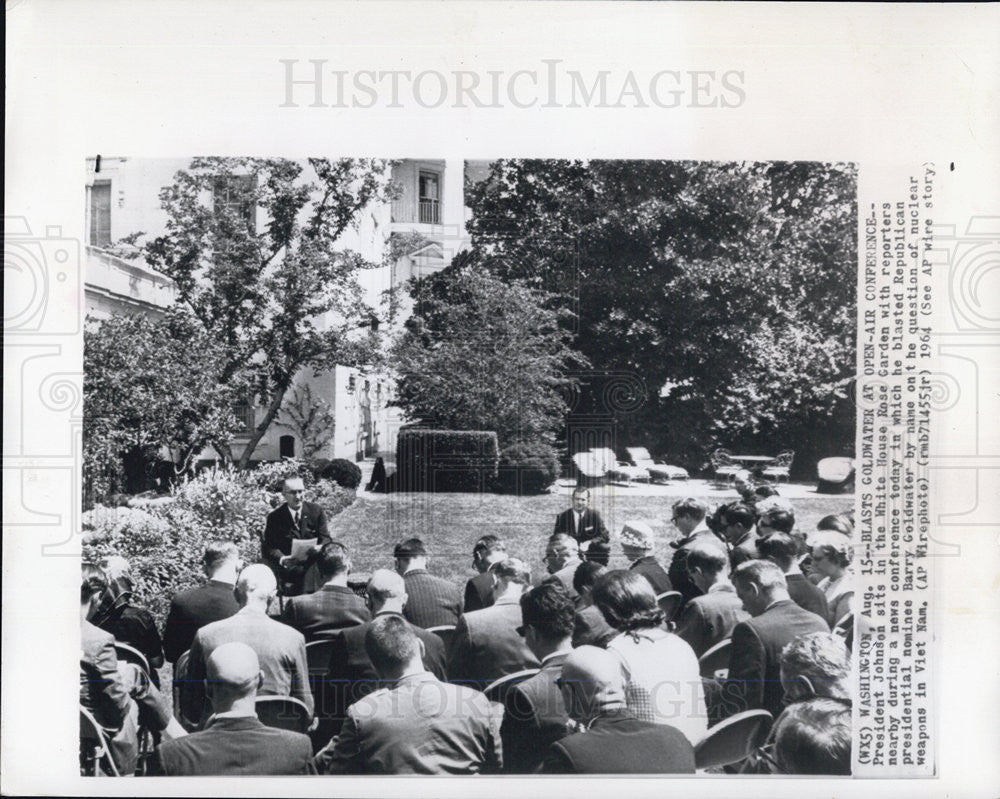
x: 715, y: 660
x: 591, y: 470
x: 283, y: 712
x: 781, y: 466
x: 723, y: 465
x: 670, y: 603
x: 129, y: 654
x: 446, y: 632
x: 733, y: 740
x: 95, y: 756
x: 836, y: 475
x: 180, y: 675
x: 658, y: 469
x: 619, y: 470
x: 497, y: 690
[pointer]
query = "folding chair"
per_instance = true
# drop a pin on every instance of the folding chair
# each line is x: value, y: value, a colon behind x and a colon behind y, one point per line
x: 95, y: 756
x: 670, y: 603
x: 129, y: 654
x: 657, y: 469
x: 284, y: 712
x: 780, y: 466
x: 497, y: 690
x: 733, y: 740
x: 446, y: 632
x: 715, y: 660
x: 723, y: 465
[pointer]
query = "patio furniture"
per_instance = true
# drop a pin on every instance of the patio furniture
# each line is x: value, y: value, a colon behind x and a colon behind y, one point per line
x: 723, y: 465
x: 732, y: 740
x: 781, y: 465
x: 619, y: 470
x: 591, y: 470
x: 836, y: 475
x: 657, y: 469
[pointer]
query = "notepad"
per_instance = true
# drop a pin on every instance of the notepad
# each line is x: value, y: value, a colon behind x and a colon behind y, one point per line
x: 302, y: 548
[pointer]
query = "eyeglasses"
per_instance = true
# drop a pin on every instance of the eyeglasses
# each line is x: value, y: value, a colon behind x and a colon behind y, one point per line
x: 522, y: 630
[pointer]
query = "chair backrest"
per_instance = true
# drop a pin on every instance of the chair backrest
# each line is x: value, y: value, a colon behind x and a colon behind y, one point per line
x: 497, y: 690
x: 589, y: 465
x: 606, y: 457
x: 639, y: 455
x: 283, y: 712
x: 715, y: 658
x: 784, y: 458
x: 132, y: 655
x: 446, y: 632
x: 732, y: 740
x: 318, y: 655
x: 670, y: 603
x: 94, y: 750
x: 721, y: 457
x: 846, y: 622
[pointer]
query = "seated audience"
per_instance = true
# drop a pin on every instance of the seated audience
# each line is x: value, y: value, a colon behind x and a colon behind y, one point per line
x: 710, y: 618
x: 663, y: 683
x: 120, y: 696
x: 127, y: 623
x: 775, y: 520
x: 637, y: 544
x: 192, y: 609
x: 689, y: 519
x: 487, y: 645
x: 612, y: 740
x: 534, y: 713
x: 235, y: 743
x: 816, y: 664
x: 589, y: 625
x: 598, y: 552
x: 433, y: 602
x: 814, y: 737
x: 280, y: 649
x: 562, y: 556
x: 782, y: 549
x: 739, y: 528
x: 773, y: 503
x: 754, y: 667
x: 479, y: 590
x: 832, y: 554
x: 416, y: 724
x: 334, y: 606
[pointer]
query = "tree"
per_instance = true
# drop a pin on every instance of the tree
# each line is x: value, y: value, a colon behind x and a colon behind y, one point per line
x: 480, y: 353
x: 310, y: 417
x: 148, y: 385
x: 730, y: 287
x: 278, y: 296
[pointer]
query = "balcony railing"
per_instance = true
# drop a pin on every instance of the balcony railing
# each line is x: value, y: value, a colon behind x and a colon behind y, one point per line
x: 430, y: 212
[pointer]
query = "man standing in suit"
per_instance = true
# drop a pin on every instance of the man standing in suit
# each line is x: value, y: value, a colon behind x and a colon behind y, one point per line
x: 782, y: 549
x: 416, y: 724
x: 612, y: 740
x: 755, y: 663
x: 192, y: 609
x: 479, y: 590
x: 280, y: 649
x: 334, y: 606
x: 637, y: 544
x: 235, y: 743
x: 710, y: 618
x: 534, y: 713
x: 689, y: 519
x: 487, y: 645
x: 581, y: 522
x: 433, y: 602
x: 296, y: 519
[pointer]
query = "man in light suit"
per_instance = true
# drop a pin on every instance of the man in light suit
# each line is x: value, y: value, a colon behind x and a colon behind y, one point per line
x: 581, y: 522
x: 334, y: 606
x: 479, y: 590
x: 280, y: 649
x: 534, y: 713
x: 416, y: 724
x: 235, y: 743
x: 487, y: 645
x: 296, y: 519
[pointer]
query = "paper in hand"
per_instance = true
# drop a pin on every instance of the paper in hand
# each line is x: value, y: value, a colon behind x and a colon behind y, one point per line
x: 302, y: 548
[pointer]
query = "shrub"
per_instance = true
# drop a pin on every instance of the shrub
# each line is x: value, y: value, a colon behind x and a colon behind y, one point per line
x: 269, y: 476
x: 527, y: 468
x: 343, y: 473
x: 446, y: 460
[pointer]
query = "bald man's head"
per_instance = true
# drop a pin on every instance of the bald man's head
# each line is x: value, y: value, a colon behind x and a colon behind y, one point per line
x: 592, y: 682
x: 256, y: 584
x: 233, y: 673
x: 386, y: 590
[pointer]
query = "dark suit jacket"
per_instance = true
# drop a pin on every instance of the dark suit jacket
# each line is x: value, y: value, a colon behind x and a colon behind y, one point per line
x: 191, y: 610
x: 137, y: 628
x: 650, y: 568
x: 806, y: 595
x: 618, y: 743
x: 239, y: 746
x: 323, y: 613
x: 479, y: 592
x: 743, y: 550
x: 486, y: 646
x: 677, y: 571
x: 592, y: 526
x: 591, y: 628
x: 534, y: 718
x: 278, y: 534
x: 431, y: 602
x: 710, y: 618
x: 754, y: 677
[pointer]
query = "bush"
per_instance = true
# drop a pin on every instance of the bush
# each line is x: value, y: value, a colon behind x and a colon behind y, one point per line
x: 527, y: 468
x: 270, y: 476
x: 342, y: 472
x: 446, y: 460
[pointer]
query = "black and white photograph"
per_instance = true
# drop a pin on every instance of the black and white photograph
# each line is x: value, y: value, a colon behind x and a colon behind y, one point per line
x: 445, y: 466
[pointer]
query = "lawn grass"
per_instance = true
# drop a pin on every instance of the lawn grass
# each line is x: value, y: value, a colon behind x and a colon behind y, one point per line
x: 450, y: 524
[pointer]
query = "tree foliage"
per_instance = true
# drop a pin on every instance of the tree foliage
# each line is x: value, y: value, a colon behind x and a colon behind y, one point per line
x: 728, y: 285
x: 251, y: 245
x: 481, y: 353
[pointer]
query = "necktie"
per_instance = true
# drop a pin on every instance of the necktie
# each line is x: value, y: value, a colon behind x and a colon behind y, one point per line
x: 295, y: 519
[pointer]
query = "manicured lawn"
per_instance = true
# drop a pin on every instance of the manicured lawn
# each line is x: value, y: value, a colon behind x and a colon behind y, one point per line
x: 450, y: 523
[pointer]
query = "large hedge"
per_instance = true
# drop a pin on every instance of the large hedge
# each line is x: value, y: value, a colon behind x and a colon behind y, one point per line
x: 446, y: 460
x: 527, y: 468
x: 164, y: 542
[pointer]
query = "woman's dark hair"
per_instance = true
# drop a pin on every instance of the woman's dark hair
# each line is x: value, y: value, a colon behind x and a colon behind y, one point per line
x: 586, y: 575
x: 626, y: 600
x: 837, y: 522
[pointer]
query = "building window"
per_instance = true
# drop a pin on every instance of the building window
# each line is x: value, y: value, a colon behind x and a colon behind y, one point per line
x: 286, y: 447
x: 100, y: 213
x: 232, y: 194
x: 246, y: 417
x: 430, y: 197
